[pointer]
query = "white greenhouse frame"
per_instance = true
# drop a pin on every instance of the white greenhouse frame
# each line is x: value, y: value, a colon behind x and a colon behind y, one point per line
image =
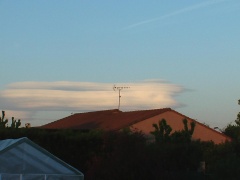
x: 22, y: 159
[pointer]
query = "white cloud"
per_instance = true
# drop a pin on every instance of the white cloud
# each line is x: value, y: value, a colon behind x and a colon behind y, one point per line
x: 29, y: 97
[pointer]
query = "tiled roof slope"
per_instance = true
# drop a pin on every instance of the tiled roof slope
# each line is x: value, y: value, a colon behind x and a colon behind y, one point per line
x: 105, y: 120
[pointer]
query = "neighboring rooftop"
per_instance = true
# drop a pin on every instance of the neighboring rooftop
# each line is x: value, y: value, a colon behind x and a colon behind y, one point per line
x: 142, y: 120
x: 107, y: 120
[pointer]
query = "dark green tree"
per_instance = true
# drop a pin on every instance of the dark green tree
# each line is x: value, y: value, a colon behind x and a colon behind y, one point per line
x: 15, y: 124
x: 233, y: 130
x: 162, y: 131
x: 237, y: 121
x: 184, y: 135
x: 3, y: 121
x: 192, y: 125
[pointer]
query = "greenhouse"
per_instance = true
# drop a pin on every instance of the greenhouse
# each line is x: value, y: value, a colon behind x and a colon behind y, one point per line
x: 22, y: 159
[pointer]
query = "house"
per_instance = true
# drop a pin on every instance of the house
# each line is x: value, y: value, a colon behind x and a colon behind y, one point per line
x: 23, y: 159
x: 114, y: 120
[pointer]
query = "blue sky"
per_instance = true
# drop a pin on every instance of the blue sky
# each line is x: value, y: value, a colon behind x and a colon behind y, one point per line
x: 60, y: 57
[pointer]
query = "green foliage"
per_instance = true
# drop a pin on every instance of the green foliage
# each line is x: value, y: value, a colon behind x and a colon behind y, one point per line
x: 126, y: 130
x: 223, y: 162
x: 15, y: 124
x: 237, y: 121
x: 184, y: 135
x: 233, y: 131
x: 122, y: 157
x: 3, y: 121
x: 162, y: 131
x: 130, y: 157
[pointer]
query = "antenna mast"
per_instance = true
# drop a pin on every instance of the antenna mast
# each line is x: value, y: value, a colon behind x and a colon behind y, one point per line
x: 115, y: 88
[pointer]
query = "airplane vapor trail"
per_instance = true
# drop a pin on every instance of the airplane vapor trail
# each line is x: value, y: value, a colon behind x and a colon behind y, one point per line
x: 181, y: 11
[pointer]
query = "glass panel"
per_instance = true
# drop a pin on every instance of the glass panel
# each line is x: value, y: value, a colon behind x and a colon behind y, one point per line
x: 64, y: 177
x: 33, y: 177
x: 40, y: 177
x: 10, y: 176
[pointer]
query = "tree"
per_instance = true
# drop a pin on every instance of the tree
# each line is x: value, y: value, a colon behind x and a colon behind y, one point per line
x: 237, y: 121
x: 234, y: 130
x: 162, y: 131
x: 3, y: 121
x: 184, y: 135
x: 15, y: 124
x: 192, y: 125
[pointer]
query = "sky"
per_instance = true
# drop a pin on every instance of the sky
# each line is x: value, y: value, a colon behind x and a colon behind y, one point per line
x: 61, y: 57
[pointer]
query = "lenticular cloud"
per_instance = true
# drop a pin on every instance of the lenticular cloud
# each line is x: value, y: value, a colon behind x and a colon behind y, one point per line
x: 88, y: 96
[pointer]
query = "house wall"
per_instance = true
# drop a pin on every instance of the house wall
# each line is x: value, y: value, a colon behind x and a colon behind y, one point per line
x: 174, y: 119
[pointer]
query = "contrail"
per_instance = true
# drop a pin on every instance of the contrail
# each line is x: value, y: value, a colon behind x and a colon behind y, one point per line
x: 181, y: 11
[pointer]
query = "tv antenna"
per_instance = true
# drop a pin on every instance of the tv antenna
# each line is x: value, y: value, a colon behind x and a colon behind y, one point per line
x: 118, y: 88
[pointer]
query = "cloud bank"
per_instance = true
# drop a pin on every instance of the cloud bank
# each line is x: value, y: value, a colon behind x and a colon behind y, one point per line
x: 32, y: 97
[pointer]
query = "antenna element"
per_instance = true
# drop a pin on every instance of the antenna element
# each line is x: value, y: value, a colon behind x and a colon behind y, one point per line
x: 117, y: 88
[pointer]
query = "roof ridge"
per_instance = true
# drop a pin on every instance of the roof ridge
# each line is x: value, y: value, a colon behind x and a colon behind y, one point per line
x: 150, y: 110
x: 108, y: 110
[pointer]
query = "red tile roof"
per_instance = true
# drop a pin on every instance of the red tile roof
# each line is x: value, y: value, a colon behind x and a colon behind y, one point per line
x: 105, y: 120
